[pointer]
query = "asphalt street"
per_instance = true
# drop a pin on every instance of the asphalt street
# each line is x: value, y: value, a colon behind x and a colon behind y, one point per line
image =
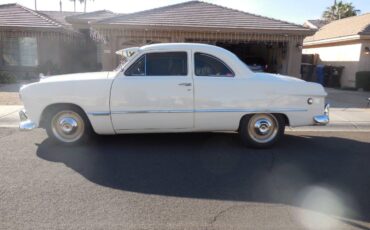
x: 310, y: 180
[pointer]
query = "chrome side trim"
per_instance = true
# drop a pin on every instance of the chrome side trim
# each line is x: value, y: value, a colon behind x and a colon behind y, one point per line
x: 247, y: 110
x: 209, y: 111
x: 99, y: 113
x: 153, y: 111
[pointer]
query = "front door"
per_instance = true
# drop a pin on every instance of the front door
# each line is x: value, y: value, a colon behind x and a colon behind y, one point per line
x: 154, y: 93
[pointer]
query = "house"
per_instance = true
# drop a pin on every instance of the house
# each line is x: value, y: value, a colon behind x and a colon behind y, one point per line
x: 33, y: 42
x: 315, y: 24
x: 248, y: 35
x: 64, y: 42
x: 344, y: 42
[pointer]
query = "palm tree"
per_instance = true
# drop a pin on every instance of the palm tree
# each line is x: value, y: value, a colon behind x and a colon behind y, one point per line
x: 84, y: 2
x: 74, y: 5
x: 339, y: 10
x: 81, y: 1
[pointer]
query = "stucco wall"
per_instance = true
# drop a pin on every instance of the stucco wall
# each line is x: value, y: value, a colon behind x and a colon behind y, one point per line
x: 294, y: 58
x: 347, y: 55
x: 364, y: 64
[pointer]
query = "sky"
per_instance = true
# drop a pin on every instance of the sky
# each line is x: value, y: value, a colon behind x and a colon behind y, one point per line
x: 296, y: 11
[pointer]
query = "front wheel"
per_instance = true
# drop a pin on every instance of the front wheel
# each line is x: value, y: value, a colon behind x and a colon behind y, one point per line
x: 68, y: 125
x: 261, y: 130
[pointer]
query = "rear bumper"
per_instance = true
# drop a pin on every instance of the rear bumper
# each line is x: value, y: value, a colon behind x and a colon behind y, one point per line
x: 26, y: 123
x: 323, y: 119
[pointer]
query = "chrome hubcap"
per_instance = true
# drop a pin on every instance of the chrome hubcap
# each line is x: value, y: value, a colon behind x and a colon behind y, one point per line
x: 68, y: 126
x: 263, y: 128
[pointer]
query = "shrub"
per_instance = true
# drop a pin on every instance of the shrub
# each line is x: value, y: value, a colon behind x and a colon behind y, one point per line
x: 363, y: 80
x: 7, y: 78
x: 48, y: 68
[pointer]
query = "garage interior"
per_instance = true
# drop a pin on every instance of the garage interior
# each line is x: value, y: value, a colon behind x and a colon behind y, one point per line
x: 269, y: 54
x: 272, y: 55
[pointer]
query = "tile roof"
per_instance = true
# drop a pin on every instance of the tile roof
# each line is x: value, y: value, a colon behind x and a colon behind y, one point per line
x: 91, y: 16
x: 356, y: 25
x: 317, y: 23
x: 59, y: 16
x: 14, y: 15
x: 198, y: 14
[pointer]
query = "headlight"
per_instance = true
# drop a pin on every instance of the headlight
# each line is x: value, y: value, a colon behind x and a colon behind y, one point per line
x: 309, y: 101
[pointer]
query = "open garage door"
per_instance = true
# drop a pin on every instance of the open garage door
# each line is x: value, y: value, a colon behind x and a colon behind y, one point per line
x: 260, y: 56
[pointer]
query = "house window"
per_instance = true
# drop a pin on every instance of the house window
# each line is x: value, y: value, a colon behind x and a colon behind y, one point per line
x: 20, y: 52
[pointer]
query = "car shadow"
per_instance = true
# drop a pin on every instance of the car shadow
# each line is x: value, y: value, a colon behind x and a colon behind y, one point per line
x: 325, y: 174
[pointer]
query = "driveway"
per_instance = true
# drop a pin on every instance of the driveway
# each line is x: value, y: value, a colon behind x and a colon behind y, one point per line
x: 185, y: 181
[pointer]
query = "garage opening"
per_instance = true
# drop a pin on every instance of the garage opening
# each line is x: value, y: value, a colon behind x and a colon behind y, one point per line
x: 260, y: 56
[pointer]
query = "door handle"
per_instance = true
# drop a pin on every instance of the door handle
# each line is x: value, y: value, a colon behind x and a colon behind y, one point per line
x: 185, y: 84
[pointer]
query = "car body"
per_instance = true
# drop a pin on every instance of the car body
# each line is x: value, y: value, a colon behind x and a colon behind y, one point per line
x: 174, y: 87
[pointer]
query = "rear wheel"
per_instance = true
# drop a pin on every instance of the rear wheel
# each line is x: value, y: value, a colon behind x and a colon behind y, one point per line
x: 68, y: 125
x: 261, y: 130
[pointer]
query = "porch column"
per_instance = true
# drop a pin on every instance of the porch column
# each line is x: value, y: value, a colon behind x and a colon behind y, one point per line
x: 109, y: 54
x: 294, y: 57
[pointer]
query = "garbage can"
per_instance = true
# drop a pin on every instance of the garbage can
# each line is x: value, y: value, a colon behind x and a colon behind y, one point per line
x: 320, y: 77
x: 336, y: 74
x: 307, y: 71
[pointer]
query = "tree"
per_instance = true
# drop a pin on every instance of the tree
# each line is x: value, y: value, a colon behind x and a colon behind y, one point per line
x: 81, y: 1
x: 74, y: 5
x: 339, y: 10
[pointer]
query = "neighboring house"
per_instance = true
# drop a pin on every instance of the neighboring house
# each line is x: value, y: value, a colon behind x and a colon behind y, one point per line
x: 315, y: 24
x: 279, y: 43
x: 33, y: 42
x: 344, y: 42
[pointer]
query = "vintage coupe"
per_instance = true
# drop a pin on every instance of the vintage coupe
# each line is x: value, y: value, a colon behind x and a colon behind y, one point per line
x: 175, y: 87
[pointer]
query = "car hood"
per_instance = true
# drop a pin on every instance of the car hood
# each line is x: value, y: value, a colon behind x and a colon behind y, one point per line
x: 77, y: 77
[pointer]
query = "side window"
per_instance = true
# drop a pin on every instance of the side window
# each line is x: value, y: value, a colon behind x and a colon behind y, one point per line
x: 160, y: 64
x: 167, y: 64
x: 208, y: 65
x: 138, y: 68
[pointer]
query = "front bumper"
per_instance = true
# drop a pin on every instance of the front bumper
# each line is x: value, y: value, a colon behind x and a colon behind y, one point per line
x: 322, y: 119
x: 26, y: 123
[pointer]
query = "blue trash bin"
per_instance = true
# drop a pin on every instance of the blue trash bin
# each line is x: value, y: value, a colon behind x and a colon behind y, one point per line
x: 320, y: 74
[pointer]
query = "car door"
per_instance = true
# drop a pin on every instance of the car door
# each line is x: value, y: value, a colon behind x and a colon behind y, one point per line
x: 154, y: 93
x: 217, y: 93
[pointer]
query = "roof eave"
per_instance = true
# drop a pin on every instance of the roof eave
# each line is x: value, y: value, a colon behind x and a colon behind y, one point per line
x: 355, y: 37
x: 282, y: 31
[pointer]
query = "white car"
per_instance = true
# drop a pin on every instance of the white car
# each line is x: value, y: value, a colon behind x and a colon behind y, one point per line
x: 175, y: 87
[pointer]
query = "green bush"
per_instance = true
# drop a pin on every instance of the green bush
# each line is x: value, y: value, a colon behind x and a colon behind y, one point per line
x: 7, y: 78
x: 363, y: 80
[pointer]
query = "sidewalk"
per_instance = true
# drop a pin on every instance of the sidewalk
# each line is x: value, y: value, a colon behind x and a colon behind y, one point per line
x: 9, y: 115
x: 341, y: 119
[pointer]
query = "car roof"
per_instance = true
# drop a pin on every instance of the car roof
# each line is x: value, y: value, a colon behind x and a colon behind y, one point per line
x: 176, y: 46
